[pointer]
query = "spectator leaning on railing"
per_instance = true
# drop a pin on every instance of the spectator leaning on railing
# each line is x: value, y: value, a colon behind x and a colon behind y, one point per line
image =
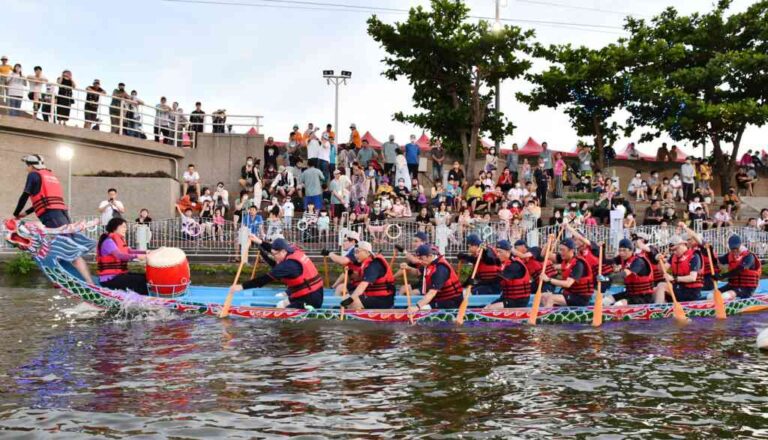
x: 95, y: 92
x: 116, y: 107
x: 5, y: 72
x: 36, y: 82
x: 64, y: 100
x: 17, y: 85
x: 162, y: 120
x: 197, y: 119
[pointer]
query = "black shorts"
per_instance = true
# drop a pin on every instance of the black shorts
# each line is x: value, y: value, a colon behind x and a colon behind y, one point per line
x: 486, y: 289
x: 634, y: 299
x: 314, y: 299
x: 453, y: 303
x: 545, y: 287
x: 337, y: 209
x: 577, y: 300
x: 512, y: 303
x: 741, y: 292
x: 686, y: 293
x: 378, y: 302
x: 708, y: 283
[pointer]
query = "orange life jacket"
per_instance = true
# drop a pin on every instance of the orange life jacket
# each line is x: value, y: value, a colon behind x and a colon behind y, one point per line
x: 516, y: 288
x: 385, y: 284
x: 109, y: 264
x: 638, y: 284
x: 452, y: 287
x: 747, y: 278
x: 681, y: 266
x: 307, y: 282
x: 50, y: 195
x: 583, y: 286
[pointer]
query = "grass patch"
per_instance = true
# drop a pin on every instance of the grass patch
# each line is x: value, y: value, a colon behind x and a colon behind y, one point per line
x: 21, y: 264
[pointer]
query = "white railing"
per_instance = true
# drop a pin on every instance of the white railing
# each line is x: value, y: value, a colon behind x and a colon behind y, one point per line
x: 129, y: 117
x: 203, y: 238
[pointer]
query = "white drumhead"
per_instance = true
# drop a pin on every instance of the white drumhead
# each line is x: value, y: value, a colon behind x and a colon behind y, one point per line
x: 166, y: 257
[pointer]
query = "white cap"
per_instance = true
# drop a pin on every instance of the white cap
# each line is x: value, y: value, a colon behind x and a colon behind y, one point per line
x: 353, y: 235
x: 364, y: 245
x: 353, y: 125
x: 391, y: 137
x: 35, y: 160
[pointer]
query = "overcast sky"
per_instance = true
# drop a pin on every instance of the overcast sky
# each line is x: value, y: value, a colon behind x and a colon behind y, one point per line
x: 268, y: 59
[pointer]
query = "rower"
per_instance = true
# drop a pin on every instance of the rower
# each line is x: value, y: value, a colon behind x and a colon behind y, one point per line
x: 533, y: 258
x: 514, y: 279
x: 576, y: 281
x: 686, y: 277
x: 487, y: 279
x: 443, y: 290
x: 637, y: 271
x: 744, y: 270
x: 291, y: 267
x: 591, y: 253
x: 376, y: 289
x: 413, y: 263
x: 44, y: 190
x: 696, y: 243
x: 651, y: 252
x: 349, y: 260
x: 112, y: 257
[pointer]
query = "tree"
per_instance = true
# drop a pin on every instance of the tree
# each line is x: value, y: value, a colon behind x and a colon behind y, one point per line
x: 588, y: 83
x: 452, y: 64
x: 702, y: 77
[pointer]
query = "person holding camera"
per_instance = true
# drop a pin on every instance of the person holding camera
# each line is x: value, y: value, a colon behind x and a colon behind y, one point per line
x: 221, y: 198
x: 111, y: 208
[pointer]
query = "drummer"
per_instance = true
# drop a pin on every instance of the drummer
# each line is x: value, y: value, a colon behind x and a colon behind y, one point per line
x: 441, y: 282
x: 532, y: 258
x: 514, y: 277
x: 376, y: 289
x: 637, y: 272
x: 685, y: 276
x: 291, y: 267
x: 487, y: 279
x: 576, y: 281
x: 112, y: 257
x: 744, y: 270
x: 346, y: 259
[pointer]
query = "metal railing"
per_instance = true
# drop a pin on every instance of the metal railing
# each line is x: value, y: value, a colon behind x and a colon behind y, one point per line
x: 205, y: 238
x: 57, y: 103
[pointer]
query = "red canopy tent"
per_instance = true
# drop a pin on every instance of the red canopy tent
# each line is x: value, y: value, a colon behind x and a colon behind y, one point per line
x: 252, y: 132
x: 531, y: 148
x: 281, y: 144
x: 624, y: 155
x: 573, y: 152
x: 371, y: 140
x: 424, y: 143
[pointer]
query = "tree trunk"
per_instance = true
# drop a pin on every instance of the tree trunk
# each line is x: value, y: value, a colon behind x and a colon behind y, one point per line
x: 724, y: 164
x: 476, y: 118
x: 599, y: 144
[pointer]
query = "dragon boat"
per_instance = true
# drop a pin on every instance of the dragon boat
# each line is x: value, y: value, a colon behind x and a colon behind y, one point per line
x: 41, y: 244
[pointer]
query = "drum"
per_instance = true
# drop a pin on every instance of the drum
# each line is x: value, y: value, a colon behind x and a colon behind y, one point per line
x: 167, y: 272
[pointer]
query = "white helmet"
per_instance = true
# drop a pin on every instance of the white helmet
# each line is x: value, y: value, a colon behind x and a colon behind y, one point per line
x: 35, y: 160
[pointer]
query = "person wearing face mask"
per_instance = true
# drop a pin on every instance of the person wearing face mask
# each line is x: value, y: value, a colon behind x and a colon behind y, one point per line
x: 676, y: 187
x: 688, y: 173
x: 221, y: 198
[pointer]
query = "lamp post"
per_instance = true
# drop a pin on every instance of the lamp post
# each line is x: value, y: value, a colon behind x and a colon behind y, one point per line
x: 497, y: 28
x: 336, y: 80
x: 66, y: 153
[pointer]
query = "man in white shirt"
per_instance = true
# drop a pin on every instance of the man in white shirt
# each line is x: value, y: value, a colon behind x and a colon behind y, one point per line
x: 191, y: 178
x: 111, y: 207
x: 36, y: 82
x: 688, y: 173
x: 284, y: 183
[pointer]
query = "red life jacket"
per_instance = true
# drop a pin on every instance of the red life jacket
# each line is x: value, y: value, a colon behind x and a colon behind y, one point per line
x: 487, y: 273
x: 109, y: 264
x: 681, y: 266
x: 658, y: 274
x: 747, y: 278
x: 516, y: 288
x: 307, y: 282
x: 704, y: 255
x: 385, y: 284
x: 534, y: 268
x: 355, y: 268
x: 451, y: 289
x: 50, y: 195
x: 594, y: 262
x: 638, y: 284
x: 583, y: 286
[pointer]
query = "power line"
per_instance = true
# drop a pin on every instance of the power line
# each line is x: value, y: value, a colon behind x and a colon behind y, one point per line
x: 308, y: 5
x: 583, y: 8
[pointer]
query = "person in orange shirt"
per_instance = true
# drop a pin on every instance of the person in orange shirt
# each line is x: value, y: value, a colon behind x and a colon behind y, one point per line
x: 297, y: 136
x: 329, y: 130
x: 354, y: 137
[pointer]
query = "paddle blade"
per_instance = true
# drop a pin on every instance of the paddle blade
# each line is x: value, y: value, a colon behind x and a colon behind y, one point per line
x: 679, y: 313
x: 597, y: 311
x: 224, y: 312
x: 719, y: 305
x: 534, y: 315
x: 463, y: 306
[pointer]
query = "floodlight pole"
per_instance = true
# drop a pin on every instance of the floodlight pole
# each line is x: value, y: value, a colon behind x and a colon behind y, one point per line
x: 336, y: 80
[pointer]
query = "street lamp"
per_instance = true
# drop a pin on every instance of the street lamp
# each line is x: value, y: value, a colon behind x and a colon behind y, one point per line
x: 66, y: 153
x: 497, y: 27
x: 336, y: 80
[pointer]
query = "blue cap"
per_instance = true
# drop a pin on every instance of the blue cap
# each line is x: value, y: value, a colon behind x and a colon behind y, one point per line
x: 422, y: 236
x: 626, y: 243
x: 568, y: 243
x: 423, y: 250
x: 734, y: 242
x: 280, y: 244
x: 504, y: 244
x: 521, y: 243
x: 474, y: 240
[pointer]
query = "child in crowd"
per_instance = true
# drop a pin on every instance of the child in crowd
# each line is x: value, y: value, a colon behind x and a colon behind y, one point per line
x: 274, y: 224
x: 525, y: 171
x: 190, y: 228
x: 218, y: 224
x: 324, y: 226
x: 676, y: 186
x: 287, y: 212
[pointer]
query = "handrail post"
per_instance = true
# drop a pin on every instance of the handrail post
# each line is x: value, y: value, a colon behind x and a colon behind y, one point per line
x: 176, y: 129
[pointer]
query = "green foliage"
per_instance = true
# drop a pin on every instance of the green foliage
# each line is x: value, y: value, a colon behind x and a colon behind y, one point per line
x: 701, y: 77
x: 452, y: 63
x: 21, y: 264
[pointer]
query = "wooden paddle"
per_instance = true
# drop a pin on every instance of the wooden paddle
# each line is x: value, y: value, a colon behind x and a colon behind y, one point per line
x: 718, y: 296
x: 407, y: 294
x: 325, y: 269
x: 534, y: 313
x: 597, y: 310
x: 224, y: 312
x: 468, y: 291
x: 394, y: 257
x: 255, y: 265
x: 677, y: 309
x: 343, y: 293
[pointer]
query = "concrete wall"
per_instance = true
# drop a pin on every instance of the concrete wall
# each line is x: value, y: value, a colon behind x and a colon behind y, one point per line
x: 157, y: 194
x: 219, y: 157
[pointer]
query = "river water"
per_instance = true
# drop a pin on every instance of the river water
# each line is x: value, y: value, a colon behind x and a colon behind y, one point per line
x: 65, y: 371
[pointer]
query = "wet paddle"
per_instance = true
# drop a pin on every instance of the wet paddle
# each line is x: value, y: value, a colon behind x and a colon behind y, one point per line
x: 468, y: 291
x: 597, y: 310
x: 534, y: 313
x: 224, y: 312
x: 718, y: 296
x: 343, y: 293
x: 255, y: 265
x: 325, y: 269
x: 677, y: 309
x: 394, y: 257
x: 408, y: 295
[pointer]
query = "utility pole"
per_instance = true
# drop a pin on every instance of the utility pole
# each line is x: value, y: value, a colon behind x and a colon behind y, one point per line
x: 497, y: 27
x: 336, y: 80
